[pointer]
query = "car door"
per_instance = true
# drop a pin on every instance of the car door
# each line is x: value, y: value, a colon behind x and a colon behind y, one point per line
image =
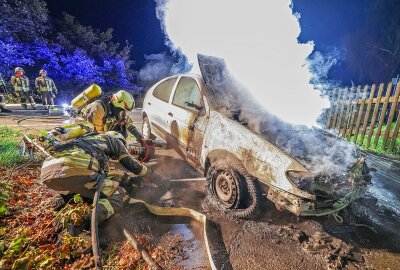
x: 159, y: 105
x: 187, y: 118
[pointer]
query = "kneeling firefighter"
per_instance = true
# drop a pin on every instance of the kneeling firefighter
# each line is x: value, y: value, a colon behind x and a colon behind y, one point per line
x: 76, y: 164
x: 109, y: 113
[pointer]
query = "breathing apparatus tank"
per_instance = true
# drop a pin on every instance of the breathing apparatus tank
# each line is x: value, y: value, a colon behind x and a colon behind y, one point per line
x: 71, y: 131
x: 87, y: 96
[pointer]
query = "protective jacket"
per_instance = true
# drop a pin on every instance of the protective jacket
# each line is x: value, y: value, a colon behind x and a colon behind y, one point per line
x: 45, y: 84
x: 93, y: 152
x: 20, y: 84
x: 75, y: 166
x: 101, y: 114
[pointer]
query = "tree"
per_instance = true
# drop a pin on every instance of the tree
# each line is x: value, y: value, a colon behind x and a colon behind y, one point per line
x: 374, y: 52
x: 114, y: 63
x: 74, y: 55
x: 24, y: 20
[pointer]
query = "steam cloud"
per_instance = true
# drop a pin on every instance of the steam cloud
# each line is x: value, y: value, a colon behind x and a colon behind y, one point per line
x: 159, y: 66
x: 258, y: 41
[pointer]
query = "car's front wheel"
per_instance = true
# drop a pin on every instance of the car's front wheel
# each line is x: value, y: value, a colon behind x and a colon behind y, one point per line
x: 146, y: 129
x: 233, y: 189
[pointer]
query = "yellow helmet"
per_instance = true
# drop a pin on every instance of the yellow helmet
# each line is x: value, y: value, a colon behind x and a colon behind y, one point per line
x: 116, y: 135
x: 123, y: 99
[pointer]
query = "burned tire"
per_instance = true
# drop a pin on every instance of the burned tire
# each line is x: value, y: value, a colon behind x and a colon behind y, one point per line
x: 146, y: 129
x: 233, y: 190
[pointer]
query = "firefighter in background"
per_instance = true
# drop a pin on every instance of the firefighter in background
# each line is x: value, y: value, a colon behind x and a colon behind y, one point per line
x: 46, y: 87
x: 76, y: 164
x: 3, y: 89
x: 109, y: 113
x: 21, y: 87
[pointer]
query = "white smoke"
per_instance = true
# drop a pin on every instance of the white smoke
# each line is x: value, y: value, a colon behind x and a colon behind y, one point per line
x: 258, y: 40
x: 320, y: 64
x: 159, y: 66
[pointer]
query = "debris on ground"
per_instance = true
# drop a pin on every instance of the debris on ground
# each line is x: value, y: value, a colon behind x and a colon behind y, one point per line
x: 30, y: 235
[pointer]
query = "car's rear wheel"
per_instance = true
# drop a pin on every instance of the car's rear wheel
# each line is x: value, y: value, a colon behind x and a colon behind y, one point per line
x: 233, y: 190
x: 146, y: 129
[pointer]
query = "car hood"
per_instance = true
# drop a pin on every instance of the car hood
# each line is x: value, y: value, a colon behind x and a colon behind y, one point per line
x: 225, y: 92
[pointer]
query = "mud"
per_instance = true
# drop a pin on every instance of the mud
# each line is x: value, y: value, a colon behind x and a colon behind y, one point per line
x: 179, y: 238
x: 280, y: 240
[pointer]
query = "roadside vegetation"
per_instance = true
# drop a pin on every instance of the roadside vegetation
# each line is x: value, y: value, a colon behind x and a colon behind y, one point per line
x: 33, y: 235
x: 379, y: 148
x: 10, y: 152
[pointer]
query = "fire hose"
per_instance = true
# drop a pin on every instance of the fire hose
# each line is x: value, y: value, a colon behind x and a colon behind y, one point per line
x: 145, y: 152
x: 94, y: 223
x: 208, y: 227
x: 211, y: 233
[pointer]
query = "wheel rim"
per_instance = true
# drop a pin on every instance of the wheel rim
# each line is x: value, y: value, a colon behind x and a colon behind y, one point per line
x: 226, y: 189
x: 146, y: 129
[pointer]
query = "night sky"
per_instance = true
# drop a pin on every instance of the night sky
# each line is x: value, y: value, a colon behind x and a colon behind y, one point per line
x: 132, y: 20
x: 324, y: 21
x: 328, y: 23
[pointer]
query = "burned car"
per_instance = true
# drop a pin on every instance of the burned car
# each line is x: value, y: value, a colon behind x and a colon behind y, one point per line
x: 241, y: 148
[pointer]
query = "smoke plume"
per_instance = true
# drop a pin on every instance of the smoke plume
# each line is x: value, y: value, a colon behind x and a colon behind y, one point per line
x: 159, y: 66
x: 273, y: 79
x: 258, y: 40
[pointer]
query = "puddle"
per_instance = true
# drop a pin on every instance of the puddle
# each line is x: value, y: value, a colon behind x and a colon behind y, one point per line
x: 386, y: 198
x: 170, y: 233
x: 197, y: 256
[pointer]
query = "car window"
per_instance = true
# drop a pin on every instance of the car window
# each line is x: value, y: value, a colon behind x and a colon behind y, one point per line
x: 187, y: 94
x: 164, y: 89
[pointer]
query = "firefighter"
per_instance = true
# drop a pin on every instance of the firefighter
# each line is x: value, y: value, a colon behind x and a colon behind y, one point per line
x: 47, y: 88
x: 21, y: 87
x: 3, y: 89
x: 109, y: 113
x: 76, y: 164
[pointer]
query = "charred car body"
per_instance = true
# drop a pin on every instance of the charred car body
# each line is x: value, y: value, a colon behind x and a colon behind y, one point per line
x: 214, y: 125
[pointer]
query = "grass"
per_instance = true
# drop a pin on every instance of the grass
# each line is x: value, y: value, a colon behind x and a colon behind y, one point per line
x: 10, y: 154
x: 379, y: 149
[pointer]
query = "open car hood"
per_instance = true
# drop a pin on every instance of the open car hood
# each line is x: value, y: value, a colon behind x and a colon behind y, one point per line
x: 224, y: 90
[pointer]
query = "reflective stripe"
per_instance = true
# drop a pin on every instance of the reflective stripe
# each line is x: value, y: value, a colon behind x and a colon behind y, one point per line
x: 90, y: 185
x: 109, y: 187
x: 123, y: 156
x: 144, y: 171
x: 52, y: 161
x: 78, y: 157
x: 108, y: 206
